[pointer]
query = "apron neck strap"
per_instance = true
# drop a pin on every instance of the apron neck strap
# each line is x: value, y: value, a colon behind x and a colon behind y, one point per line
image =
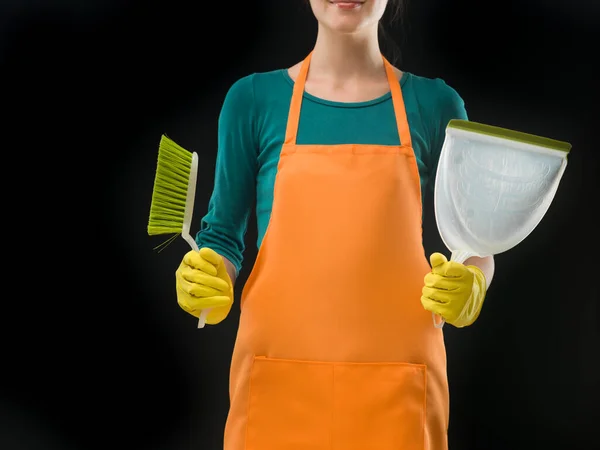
x: 298, y: 92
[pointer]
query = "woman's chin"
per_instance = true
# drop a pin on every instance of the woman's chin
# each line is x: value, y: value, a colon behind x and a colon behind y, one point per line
x: 345, y: 25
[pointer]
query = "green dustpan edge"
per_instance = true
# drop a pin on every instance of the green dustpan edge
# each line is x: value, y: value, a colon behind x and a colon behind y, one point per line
x: 506, y: 133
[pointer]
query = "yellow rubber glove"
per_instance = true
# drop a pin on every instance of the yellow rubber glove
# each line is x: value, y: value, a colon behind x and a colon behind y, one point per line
x: 454, y: 291
x: 203, y: 282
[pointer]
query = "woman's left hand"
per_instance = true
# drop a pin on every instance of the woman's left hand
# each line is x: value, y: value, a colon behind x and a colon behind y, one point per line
x: 454, y: 291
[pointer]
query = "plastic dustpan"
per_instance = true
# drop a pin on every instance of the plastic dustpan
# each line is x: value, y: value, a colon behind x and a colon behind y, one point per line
x: 493, y: 187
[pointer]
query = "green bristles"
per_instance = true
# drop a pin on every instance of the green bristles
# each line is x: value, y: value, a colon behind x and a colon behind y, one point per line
x: 167, y: 208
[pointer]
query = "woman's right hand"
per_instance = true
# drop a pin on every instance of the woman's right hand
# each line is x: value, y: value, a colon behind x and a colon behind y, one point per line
x: 202, y: 283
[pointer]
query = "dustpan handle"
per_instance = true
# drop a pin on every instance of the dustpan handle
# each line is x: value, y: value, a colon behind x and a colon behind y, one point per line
x: 459, y: 256
x: 437, y: 324
x: 202, y: 318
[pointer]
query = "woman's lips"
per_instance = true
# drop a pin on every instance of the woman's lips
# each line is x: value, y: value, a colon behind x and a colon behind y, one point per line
x: 347, y: 5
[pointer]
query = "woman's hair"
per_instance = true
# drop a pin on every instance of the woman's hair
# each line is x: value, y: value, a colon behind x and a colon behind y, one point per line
x: 389, y: 46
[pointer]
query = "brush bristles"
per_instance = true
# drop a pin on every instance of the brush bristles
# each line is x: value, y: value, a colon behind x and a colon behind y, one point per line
x: 167, y: 208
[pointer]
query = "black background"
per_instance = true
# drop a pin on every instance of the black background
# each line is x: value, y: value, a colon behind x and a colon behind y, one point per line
x: 96, y: 353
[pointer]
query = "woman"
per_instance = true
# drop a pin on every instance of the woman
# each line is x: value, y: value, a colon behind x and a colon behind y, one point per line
x: 336, y: 348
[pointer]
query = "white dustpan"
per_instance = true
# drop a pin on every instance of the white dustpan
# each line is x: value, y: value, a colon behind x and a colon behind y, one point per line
x: 493, y: 187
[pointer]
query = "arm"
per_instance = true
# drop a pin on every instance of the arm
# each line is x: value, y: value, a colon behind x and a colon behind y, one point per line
x: 223, y: 228
x: 454, y: 291
x: 448, y: 105
x: 453, y: 107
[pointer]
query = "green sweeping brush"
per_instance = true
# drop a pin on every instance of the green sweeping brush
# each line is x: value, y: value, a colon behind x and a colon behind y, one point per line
x: 173, y: 196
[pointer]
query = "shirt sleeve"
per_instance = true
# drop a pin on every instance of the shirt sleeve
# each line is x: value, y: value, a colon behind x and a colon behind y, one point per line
x: 224, y: 226
x: 450, y: 105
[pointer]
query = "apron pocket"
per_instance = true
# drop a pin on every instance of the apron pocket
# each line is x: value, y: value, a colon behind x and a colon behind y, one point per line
x: 304, y: 405
x: 290, y: 405
x: 379, y: 406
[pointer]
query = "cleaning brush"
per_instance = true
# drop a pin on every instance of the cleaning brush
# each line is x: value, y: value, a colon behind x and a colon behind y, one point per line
x: 173, y: 196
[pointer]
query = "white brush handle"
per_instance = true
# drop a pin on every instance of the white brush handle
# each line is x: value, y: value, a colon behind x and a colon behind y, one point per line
x: 190, y: 240
x: 187, y: 221
x: 459, y: 256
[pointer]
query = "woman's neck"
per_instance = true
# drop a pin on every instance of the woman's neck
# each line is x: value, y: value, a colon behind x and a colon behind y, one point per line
x: 346, y: 56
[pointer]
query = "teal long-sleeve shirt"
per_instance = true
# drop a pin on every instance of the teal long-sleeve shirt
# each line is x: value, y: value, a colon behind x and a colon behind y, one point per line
x: 251, y: 131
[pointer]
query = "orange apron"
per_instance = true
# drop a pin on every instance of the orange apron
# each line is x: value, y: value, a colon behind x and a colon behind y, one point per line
x: 334, y: 349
